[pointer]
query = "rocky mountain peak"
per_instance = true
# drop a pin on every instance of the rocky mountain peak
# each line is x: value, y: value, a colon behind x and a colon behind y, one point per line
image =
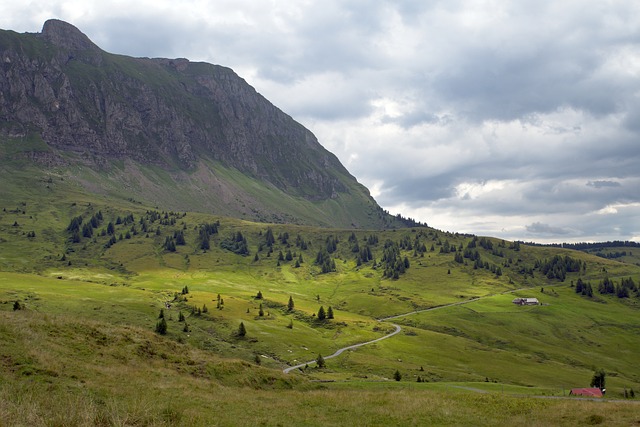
x: 191, y: 120
x: 66, y: 36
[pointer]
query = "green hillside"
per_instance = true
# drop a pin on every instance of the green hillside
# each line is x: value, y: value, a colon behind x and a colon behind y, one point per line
x: 91, y: 274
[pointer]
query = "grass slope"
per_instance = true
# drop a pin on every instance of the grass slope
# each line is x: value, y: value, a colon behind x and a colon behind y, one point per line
x: 84, y: 338
x: 210, y: 187
x: 88, y: 373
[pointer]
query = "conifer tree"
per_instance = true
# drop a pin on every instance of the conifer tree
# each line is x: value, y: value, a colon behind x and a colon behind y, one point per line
x: 320, y: 361
x: 242, y: 331
x: 290, y: 304
x: 599, y: 378
x: 329, y: 313
x: 161, y: 326
x: 322, y: 315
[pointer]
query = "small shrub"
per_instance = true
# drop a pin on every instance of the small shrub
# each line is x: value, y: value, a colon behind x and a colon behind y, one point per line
x: 594, y: 419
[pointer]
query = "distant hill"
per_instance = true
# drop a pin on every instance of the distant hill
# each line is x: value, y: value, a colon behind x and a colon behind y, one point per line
x: 624, y: 251
x: 167, y: 132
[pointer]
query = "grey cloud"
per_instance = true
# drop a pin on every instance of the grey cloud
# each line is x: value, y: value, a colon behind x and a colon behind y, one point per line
x: 539, y: 228
x: 538, y: 94
x: 416, y: 191
x: 603, y: 184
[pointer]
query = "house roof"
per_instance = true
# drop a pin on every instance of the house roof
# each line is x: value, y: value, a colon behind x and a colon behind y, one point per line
x: 526, y: 300
x: 593, y: 392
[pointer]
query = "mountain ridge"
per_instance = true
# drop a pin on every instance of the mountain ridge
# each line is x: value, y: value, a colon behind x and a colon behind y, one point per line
x: 93, y: 108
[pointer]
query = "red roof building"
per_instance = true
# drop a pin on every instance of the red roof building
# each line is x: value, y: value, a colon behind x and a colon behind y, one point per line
x: 588, y: 392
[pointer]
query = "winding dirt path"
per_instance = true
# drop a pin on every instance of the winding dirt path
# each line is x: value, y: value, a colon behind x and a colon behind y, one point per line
x: 342, y: 350
x: 398, y: 328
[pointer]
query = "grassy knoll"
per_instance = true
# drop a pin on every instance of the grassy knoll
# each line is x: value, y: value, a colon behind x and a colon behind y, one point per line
x: 91, y: 296
x: 58, y: 370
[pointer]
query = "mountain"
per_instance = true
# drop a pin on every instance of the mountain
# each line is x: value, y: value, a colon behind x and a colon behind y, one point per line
x: 167, y: 132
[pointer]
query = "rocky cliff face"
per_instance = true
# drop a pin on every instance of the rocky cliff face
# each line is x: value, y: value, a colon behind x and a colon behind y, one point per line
x: 167, y: 112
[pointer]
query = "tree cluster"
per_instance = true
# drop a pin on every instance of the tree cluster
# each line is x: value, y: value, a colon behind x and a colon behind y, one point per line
x: 326, y: 263
x: 331, y: 244
x: 78, y: 228
x: 393, y: 265
x: 558, y: 266
x: 621, y: 290
x: 325, y: 315
x: 236, y: 243
x: 205, y: 231
x: 584, y: 288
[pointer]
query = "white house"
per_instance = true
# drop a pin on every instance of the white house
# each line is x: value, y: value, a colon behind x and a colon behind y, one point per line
x: 526, y: 301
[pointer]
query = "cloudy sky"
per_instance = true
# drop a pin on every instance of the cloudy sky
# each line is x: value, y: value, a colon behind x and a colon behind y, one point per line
x: 513, y: 119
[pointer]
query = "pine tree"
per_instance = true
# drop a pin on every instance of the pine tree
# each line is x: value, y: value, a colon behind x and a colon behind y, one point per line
x: 329, y: 313
x: 161, y: 326
x: 320, y: 361
x: 598, y: 379
x: 397, y: 376
x: 242, y: 331
x: 321, y: 313
x: 290, y: 305
x: 260, y: 311
x: 269, y: 239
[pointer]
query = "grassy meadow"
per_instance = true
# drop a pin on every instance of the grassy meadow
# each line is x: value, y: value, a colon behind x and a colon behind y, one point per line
x: 82, y: 349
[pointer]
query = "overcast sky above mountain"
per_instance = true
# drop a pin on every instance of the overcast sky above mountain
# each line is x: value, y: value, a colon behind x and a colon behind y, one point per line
x: 518, y: 120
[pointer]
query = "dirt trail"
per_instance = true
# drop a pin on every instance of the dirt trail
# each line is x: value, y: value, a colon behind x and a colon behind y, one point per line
x: 398, y: 328
x: 340, y: 351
